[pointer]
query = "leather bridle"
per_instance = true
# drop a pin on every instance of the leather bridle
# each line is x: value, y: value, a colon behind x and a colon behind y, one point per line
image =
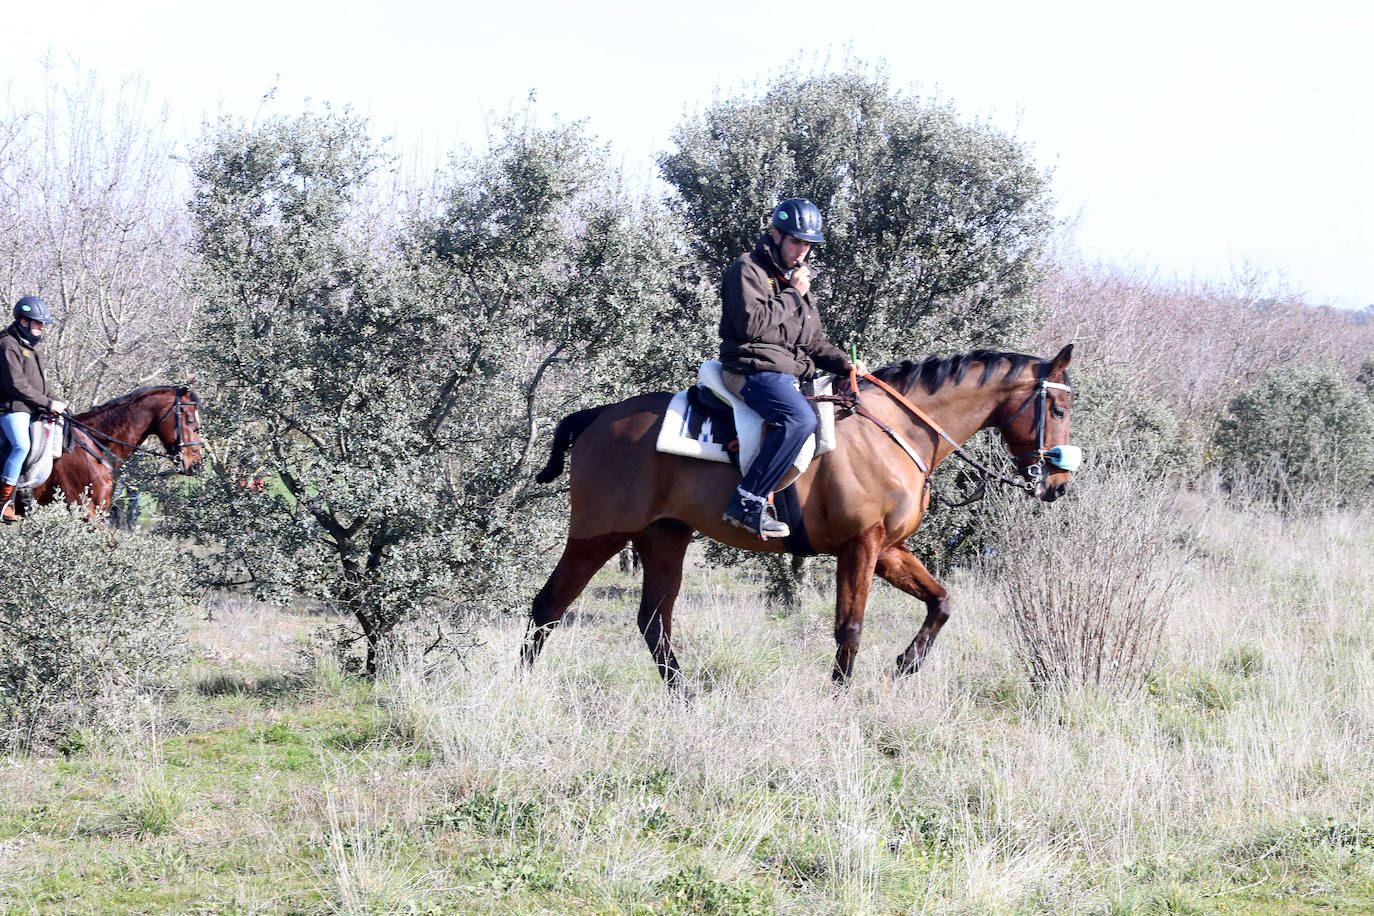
x: 1063, y: 457
x: 113, y: 461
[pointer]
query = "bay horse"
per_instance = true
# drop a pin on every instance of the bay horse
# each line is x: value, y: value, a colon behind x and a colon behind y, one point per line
x: 860, y: 502
x: 106, y: 436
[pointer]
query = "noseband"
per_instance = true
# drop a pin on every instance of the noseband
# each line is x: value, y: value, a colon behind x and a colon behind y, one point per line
x: 1063, y: 457
x: 178, y: 405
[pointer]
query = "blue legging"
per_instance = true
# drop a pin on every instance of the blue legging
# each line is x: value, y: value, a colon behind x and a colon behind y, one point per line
x: 16, y: 429
x: 790, y: 420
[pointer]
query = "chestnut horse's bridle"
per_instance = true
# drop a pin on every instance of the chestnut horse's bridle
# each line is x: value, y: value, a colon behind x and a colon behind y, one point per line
x: 1063, y: 457
x: 113, y: 461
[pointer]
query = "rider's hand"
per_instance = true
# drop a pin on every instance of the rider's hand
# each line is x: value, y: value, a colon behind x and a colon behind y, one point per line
x: 58, y: 407
x: 801, y: 279
x: 860, y: 368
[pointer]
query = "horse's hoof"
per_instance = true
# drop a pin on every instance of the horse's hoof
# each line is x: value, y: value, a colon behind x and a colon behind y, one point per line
x: 682, y: 693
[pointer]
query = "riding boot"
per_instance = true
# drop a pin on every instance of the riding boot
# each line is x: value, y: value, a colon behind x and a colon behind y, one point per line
x: 755, y: 515
x: 6, y: 500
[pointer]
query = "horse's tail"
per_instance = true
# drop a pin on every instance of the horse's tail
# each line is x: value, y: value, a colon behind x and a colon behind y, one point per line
x: 569, y: 428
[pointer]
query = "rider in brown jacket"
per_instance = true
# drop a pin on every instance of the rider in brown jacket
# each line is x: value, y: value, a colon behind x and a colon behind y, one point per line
x: 24, y: 391
x: 770, y: 338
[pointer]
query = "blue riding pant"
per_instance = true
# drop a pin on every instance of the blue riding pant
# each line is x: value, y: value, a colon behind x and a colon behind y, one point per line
x: 16, y: 429
x: 789, y: 420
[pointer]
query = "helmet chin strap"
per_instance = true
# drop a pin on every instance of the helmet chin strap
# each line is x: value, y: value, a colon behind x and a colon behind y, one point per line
x: 775, y: 248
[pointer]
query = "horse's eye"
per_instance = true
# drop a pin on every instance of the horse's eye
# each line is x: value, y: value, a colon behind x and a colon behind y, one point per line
x: 1058, y: 412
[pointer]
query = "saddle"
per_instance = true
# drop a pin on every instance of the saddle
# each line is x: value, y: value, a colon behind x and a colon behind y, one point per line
x: 710, y: 422
x: 46, y: 434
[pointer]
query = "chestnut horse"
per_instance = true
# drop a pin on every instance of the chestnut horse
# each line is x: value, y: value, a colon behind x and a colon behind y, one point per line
x: 104, y: 437
x: 860, y: 502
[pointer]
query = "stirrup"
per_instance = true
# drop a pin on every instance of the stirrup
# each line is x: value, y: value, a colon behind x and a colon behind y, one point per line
x: 755, y: 515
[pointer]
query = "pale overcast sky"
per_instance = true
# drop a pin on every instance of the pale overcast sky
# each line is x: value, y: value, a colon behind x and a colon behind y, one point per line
x: 1187, y: 138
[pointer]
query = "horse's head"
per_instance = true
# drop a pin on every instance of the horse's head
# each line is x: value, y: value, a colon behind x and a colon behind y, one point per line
x: 179, y: 429
x: 1036, y: 428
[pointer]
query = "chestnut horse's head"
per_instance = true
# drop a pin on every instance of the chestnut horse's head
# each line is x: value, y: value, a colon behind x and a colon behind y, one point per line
x: 179, y: 429
x: 1037, y: 429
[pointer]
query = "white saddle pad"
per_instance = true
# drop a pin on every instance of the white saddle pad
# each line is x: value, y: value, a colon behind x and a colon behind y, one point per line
x: 681, y: 436
x: 45, y: 446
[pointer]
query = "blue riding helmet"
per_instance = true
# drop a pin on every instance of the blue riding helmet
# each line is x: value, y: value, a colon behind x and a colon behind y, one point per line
x: 33, y: 308
x: 800, y: 218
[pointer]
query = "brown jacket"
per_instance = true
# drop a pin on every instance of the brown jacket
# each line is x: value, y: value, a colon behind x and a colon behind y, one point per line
x: 767, y: 326
x: 23, y: 383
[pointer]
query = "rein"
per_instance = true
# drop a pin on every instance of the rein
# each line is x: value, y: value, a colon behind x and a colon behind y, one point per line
x: 1035, y: 471
x: 108, y: 458
x: 926, y: 419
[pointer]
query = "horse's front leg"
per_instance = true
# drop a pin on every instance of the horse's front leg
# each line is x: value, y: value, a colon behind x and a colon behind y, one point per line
x: 899, y: 566
x: 853, y: 579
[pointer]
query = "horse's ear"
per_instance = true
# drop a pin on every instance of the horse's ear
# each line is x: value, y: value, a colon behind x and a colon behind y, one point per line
x: 1061, y: 362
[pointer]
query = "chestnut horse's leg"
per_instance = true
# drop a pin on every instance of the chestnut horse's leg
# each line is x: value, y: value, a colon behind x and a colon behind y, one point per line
x: 582, y: 557
x: 899, y: 566
x: 853, y: 579
x: 661, y: 547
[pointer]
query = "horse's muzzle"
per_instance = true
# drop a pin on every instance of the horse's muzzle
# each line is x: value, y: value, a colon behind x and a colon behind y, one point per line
x: 1049, y: 491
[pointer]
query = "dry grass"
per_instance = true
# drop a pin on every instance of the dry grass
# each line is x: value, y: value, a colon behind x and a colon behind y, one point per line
x: 1237, y: 780
x: 963, y: 789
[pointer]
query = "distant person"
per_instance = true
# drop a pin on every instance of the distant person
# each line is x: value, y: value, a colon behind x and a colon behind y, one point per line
x: 125, y: 507
x: 24, y: 391
x: 770, y: 339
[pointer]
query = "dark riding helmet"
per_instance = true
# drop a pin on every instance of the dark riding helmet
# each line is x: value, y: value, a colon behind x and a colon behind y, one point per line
x: 799, y: 217
x: 34, y: 308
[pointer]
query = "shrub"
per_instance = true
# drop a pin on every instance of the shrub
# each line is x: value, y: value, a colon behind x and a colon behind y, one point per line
x: 1114, y: 415
x: 1299, y: 436
x: 83, y: 619
x: 1085, y: 596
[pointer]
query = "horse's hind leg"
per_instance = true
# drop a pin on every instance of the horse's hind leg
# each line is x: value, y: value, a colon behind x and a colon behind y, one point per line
x: 581, y: 558
x: 899, y: 566
x: 662, y: 547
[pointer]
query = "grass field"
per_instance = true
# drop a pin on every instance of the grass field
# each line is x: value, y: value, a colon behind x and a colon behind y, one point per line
x: 1238, y: 780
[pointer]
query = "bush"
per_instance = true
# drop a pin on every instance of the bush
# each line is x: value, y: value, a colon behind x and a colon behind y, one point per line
x: 83, y: 619
x: 1085, y: 596
x: 1299, y: 437
x: 1116, y: 418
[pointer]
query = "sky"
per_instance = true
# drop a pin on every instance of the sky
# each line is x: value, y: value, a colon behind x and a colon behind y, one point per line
x: 1197, y: 141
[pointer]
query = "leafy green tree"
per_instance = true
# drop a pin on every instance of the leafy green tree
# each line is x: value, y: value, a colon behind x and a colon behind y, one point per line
x: 539, y: 258
x: 1365, y: 377
x: 380, y: 380
x: 934, y: 226
x: 1300, y: 435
